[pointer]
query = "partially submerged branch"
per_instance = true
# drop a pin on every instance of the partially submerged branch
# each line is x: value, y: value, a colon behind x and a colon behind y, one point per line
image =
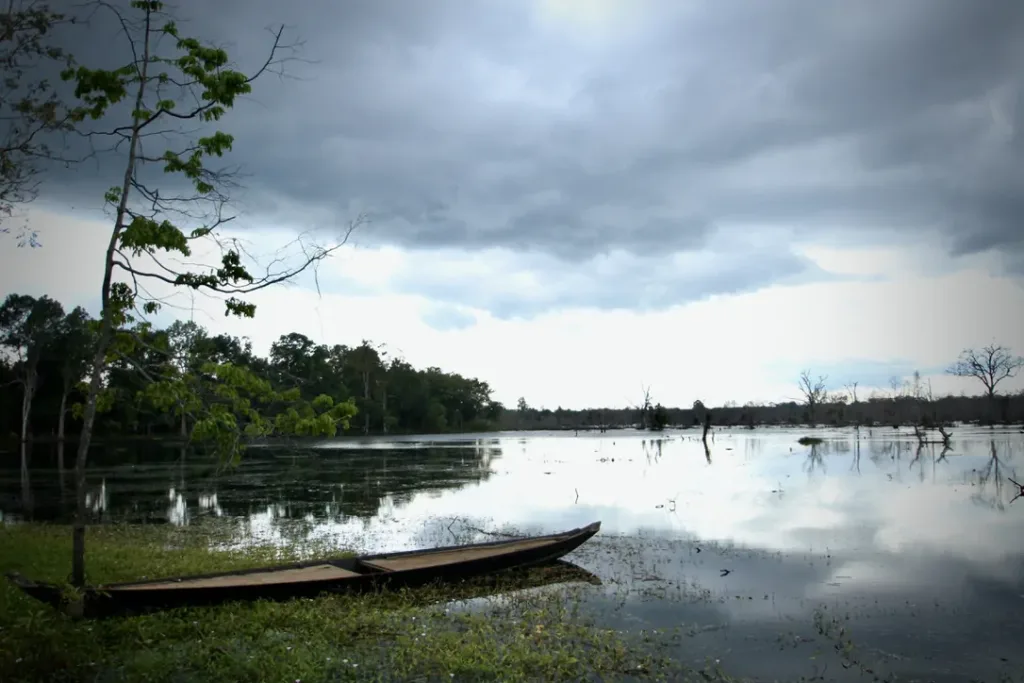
x: 1020, y: 487
x: 922, y: 436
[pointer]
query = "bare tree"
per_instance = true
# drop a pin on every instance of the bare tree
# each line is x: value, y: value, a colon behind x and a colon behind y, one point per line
x: 896, y: 384
x: 916, y: 387
x: 851, y: 388
x: 814, y: 392
x: 990, y: 365
x: 645, y: 407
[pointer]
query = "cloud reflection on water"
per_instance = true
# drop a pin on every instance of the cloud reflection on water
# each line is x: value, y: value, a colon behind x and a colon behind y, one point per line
x: 757, y: 494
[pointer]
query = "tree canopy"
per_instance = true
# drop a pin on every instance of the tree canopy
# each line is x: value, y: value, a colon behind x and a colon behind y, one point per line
x: 176, y: 380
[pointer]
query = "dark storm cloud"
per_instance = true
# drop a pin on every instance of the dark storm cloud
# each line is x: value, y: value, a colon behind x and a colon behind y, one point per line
x: 473, y: 124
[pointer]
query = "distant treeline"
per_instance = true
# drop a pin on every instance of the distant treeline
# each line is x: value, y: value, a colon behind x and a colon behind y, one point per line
x: 877, y: 410
x: 46, y: 352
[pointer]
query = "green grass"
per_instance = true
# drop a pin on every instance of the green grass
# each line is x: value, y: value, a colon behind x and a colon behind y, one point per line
x: 409, y: 636
x: 809, y: 441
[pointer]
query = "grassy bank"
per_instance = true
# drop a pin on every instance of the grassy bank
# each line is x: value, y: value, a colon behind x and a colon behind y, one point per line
x: 534, y: 635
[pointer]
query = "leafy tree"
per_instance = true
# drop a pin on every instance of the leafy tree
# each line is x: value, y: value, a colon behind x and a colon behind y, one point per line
x: 28, y: 329
x: 184, y: 348
x: 30, y: 109
x: 659, y: 418
x: 387, y: 420
x: 74, y: 347
x: 365, y: 359
x: 699, y: 412
x: 195, y: 84
x: 295, y: 359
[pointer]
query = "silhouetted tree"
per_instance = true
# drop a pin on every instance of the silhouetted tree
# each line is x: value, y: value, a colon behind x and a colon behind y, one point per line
x: 814, y: 393
x: 990, y: 365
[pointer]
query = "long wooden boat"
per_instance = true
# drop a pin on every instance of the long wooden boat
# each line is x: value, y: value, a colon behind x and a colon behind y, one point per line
x: 312, y: 577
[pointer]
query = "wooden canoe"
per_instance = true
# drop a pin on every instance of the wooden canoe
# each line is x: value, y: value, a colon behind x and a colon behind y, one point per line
x: 314, y: 577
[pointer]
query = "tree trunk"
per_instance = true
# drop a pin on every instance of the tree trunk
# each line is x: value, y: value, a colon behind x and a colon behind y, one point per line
x: 366, y: 404
x: 26, y: 403
x: 184, y: 424
x: 106, y: 333
x: 60, y: 417
x: 62, y: 476
x: 26, y: 484
x: 707, y: 427
x: 60, y: 444
x: 384, y: 410
x: 88, y: 419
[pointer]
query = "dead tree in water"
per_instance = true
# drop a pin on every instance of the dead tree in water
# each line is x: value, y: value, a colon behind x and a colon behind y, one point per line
x: 991, y: 365
x: 922, y: 437
x: 945, y: 436
x: 707, y: 427
x: 1020, y: 493
x: 814, y: 393
x: 646, y: 408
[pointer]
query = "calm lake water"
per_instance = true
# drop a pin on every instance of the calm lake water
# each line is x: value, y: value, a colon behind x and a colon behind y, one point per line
x: 768, y: 555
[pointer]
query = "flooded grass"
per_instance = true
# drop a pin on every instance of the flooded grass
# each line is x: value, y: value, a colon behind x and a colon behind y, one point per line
x: 411, y: 635
x: 810, y: 441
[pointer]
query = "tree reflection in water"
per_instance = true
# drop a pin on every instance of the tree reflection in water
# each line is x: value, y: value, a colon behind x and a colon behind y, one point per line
x: 991, y: 479
x: 143, y: 482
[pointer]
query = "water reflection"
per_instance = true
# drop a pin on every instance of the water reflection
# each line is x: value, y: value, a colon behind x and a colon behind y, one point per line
x: 991, y: 481
x: 750, y: 532
x: 96, y: 500
x: 178, y: 487
x: 26, y: 481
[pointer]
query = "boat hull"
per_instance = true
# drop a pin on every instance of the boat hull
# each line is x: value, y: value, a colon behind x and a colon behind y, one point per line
x: 357, y: 575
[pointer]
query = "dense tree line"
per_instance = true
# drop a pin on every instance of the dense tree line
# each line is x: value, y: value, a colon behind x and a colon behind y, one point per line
x: 46, y: 354
x: 876, y: 410
x: 909, y: 402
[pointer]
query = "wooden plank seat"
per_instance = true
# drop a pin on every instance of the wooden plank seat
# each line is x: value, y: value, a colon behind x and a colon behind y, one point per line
x: 319, y: 572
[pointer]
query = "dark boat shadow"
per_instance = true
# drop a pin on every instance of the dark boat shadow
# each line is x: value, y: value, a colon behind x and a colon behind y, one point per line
x: 512, y: 581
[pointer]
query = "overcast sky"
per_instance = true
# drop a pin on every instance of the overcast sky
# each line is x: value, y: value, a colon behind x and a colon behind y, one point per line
x: 574, y: 198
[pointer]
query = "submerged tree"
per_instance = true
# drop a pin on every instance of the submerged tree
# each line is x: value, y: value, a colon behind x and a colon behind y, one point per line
x: 194, y: 84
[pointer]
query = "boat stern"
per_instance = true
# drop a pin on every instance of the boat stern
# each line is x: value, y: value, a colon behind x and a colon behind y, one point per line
x: 44, y: 592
